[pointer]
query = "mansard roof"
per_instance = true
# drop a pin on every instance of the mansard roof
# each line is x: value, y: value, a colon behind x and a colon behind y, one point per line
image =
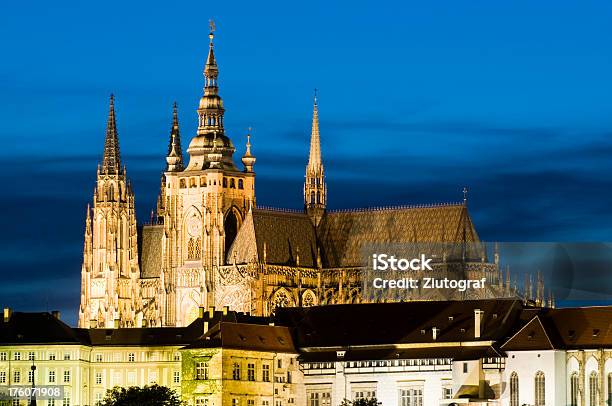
x: 36, y: 328
x: 150, y: 250
x: 376, y: 324
x: 570, y: 328
x: 244, y: 336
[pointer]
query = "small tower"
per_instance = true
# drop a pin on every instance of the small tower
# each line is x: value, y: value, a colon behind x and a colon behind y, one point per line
x: 174, y: 159
x: 248, y: 160
x: 315, y: 189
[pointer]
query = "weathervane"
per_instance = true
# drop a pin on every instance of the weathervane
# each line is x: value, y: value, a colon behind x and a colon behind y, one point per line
x: 465, y: 194
x: 211, y: 24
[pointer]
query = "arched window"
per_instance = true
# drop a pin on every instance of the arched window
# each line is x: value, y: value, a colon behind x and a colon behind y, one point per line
x: 574, y: 389
x: 540, y: 389
x: 593, y: 389
x: 514, y: 389
x: 191, y: 249
x: 312, y: 197
x: 232, y: 183
x: 224, y: 182
x: 318, y: 197
x: 231, y: 229
x: 240, y: 184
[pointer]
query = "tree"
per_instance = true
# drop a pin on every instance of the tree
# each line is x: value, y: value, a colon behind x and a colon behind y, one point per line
x: 153, y: 395
x: 361, y: 402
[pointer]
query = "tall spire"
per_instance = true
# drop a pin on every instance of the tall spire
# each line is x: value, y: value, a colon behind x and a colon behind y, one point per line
x: 211, y: 105
x: 314, y: 159
x: 175, y: 153
x: 315, y: 189
x: 111, y: 162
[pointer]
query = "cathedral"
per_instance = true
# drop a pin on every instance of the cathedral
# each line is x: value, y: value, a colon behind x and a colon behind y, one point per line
x: 209, y: 244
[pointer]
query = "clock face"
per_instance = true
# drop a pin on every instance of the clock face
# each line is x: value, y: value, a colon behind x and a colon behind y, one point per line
x: 194, y: 226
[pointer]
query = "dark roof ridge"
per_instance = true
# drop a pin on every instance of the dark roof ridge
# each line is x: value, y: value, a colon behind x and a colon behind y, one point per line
x: 398, y: 207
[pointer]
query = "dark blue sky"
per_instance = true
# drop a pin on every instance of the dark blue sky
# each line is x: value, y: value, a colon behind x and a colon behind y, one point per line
x: 417, y: 100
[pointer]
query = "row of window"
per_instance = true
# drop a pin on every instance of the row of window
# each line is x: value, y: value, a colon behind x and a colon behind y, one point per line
x: 193, y: 182
x: 51, y: 402
x: 594, y: 392
x: 202, y: 372
x: 17, y: 376
x: 539, y: 386
x: 131, y: 357
x: 31, y: 356
x: 131, y: 377
x: 384, y: 363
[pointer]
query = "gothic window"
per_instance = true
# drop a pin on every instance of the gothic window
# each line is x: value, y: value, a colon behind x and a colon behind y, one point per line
x: 308, y: 299
x: 232, y: 184
x: 574, y: 389
x: 312, y: 197
x: 240, y: 184
x: 198, y: 247
x: 231, y: 229
x: 514, y: 389
x: 318, y: 197
x: 540, y: 389
x: 224, y: 182
x: 281, y: 299
x: 593, y: 389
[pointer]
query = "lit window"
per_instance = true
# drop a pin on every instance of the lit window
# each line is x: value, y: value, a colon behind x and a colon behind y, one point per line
x: 251, y: 372
x: 202, y: 370
x: 540, y: 389
x: 236, y: 371
x: 514, y: 389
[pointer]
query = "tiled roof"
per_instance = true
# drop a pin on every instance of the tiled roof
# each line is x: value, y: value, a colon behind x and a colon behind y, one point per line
x: 571, y: 328
x: 150, y: 250
x: 286, y: 235
x: 247, y: 337
x: 343, y: 234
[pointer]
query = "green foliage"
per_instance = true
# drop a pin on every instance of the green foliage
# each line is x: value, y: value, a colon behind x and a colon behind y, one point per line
x: 361, y: 402
x: 153, y: 395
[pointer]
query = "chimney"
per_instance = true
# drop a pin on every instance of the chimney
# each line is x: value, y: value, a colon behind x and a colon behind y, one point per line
x: 477, y: 322
x: 116, y: 325
x: 211, y: 312
x: 435, y: 331
x: 225, y: 310
x: 56, y: 314
x: 7, y: 314
x: 205, y: 327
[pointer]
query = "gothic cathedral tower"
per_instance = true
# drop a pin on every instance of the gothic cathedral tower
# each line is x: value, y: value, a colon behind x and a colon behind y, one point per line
x: 110, y: 273
x: 315, y: 189
x: 202, y: 205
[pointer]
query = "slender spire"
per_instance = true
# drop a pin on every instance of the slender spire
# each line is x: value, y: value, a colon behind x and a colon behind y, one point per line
x: 314, y: 159
x: 111, y: 162
x: 315, y: 189
x: 175, y: 153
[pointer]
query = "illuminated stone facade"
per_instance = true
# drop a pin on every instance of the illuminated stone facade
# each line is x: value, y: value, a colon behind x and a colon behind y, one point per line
x: 209, y: 244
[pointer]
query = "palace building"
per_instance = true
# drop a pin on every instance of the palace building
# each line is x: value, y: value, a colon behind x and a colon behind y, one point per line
x: 211, y: 245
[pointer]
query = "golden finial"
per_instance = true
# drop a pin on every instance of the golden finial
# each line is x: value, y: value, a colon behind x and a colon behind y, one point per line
x: 213, y: 27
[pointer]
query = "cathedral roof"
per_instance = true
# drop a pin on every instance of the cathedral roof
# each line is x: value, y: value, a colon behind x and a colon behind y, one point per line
x: 279, y: 236
x: 150, y: 250
x: 343, y: 234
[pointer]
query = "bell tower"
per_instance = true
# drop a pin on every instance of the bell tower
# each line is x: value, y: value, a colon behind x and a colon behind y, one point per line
x: 202, y: 204
x: 110, y: 272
